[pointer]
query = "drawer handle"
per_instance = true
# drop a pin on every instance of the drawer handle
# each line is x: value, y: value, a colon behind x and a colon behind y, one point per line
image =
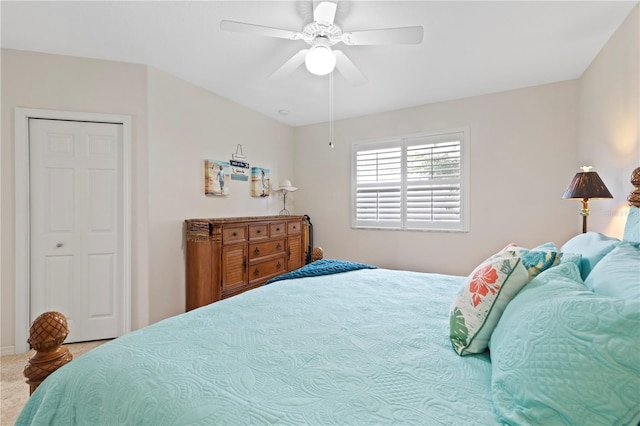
x: 235, y: 234
x: 277, y: 229
x: 278, y: 247
x: 256, y: 272
x: 295, y: 227
x: 279, y: 265
x: 256, y: 251
x: 259, y: 231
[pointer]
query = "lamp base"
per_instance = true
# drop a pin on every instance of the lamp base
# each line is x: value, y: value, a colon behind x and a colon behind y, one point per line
x: 284, y: 211
x: 584, y: 213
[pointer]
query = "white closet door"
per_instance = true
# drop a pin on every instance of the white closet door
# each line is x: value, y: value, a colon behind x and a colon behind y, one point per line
x: 76, y: 230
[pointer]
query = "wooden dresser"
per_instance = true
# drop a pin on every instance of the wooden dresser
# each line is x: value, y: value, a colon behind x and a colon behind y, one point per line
x: 227, y: 256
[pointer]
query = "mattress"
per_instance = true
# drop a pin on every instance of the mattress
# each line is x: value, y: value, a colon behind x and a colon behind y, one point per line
x: 364, y: 347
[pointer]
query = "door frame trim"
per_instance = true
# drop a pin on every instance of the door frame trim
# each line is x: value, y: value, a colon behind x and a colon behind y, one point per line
x: 23, y: 216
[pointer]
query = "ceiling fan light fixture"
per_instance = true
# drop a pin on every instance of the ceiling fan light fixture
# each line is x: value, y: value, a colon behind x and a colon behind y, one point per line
x: 320, y: 59
x: 322, y: 34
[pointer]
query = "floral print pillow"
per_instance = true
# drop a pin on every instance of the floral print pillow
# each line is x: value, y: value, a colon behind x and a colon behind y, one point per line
x: 487, y: 291
x: 537, y: 260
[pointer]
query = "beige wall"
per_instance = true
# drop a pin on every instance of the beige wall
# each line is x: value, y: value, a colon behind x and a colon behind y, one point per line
x: 186, y: 126
x: 609, y: 124
x: 32, y: 80
x: 526, y: 145
x: 175, y: 127
x: 522, y: 143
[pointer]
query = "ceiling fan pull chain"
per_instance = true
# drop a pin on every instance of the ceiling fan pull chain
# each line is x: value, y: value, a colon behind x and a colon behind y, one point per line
x: 331, y: 145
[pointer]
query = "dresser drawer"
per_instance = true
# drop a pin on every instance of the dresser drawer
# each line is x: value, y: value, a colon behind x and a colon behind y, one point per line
x: 262, y: 271
x: 277, y: 229
x: 267, y: 248
x: 234, y: 234
x: 258, y: 231
x: 294, y: 227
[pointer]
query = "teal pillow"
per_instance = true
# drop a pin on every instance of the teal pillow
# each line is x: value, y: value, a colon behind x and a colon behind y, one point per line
x: 575, y: 258
x: 564, y: 257
x: 618, y: 273
x: 550, y: 246
x: 632, y: 227
x: 538, y: 258
x: 592, y: 246
x: 562, y: 354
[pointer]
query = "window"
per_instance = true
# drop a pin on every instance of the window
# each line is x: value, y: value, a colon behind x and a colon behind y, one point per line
x: 415, y: 183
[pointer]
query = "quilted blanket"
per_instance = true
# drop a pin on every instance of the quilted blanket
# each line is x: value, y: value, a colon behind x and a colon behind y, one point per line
x: 366, y: 347
x: 322, y: 267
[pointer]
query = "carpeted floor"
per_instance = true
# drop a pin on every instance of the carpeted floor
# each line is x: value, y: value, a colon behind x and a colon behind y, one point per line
x: 14, y: 391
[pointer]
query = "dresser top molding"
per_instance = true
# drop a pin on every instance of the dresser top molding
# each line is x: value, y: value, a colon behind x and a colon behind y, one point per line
x: 200, y: 229
x: 245, y: 219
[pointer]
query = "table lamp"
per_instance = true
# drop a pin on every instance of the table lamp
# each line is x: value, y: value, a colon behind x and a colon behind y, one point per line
x: 586, y: 185
x: 284, y: 188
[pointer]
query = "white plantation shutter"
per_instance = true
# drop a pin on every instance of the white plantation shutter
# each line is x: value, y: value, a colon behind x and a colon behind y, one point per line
x: 379, y: 186
x: 412, y: 183
x: 433, y: 182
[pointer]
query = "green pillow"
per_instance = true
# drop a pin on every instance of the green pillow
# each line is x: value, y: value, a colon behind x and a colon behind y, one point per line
x: 562, y: 354
x: 575, y: 258
x: 592, y: 246
x: 618, y: 273
x: 564, y: 257
x: 537, y: 259
x: 632, y: 226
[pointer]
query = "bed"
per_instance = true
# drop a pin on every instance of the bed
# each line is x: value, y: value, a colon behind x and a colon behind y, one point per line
x: 346, y: 343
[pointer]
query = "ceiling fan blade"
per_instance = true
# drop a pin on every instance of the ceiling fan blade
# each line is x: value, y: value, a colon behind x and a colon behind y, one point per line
x: 290, y: 66
x: 325, y: 12
x: 404, y: 35
x: 242, y: 27
x: 350, y: 72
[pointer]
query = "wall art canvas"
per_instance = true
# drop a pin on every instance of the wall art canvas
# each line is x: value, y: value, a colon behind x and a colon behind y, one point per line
x: 239, y: 170
x: 239, y: 165
x: 216, y: 177
x: 260, y: 183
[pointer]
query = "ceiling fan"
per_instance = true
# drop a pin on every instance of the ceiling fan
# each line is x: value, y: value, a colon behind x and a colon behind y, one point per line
x: 321, y: 35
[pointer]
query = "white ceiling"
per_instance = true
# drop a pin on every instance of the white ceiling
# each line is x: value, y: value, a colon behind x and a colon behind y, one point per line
x: 469, y: 48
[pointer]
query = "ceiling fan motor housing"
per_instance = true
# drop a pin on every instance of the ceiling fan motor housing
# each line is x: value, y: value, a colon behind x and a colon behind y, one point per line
x: 332, y: 33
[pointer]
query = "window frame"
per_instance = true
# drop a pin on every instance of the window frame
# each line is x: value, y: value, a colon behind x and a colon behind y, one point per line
x: 403, y: 224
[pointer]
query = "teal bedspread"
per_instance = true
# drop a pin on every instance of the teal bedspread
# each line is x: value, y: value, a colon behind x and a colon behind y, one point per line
x: 367, y: 347
x: 322, y: 267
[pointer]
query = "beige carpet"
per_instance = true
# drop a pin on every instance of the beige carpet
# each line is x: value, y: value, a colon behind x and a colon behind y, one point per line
x: 14, y: 391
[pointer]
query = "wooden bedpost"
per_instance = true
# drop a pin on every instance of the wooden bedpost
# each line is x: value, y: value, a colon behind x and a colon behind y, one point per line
x: 634, y: 197
x: 318, y: 254
x: 46, y: 335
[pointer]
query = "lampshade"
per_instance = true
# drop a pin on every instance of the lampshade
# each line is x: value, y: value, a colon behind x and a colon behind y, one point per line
x: 286, y: 185
x: 320, y: 59
x: 587, y: 184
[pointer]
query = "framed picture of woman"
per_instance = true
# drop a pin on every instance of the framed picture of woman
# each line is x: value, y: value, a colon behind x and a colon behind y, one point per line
x: 216, y: 177
x: 260, y: 183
